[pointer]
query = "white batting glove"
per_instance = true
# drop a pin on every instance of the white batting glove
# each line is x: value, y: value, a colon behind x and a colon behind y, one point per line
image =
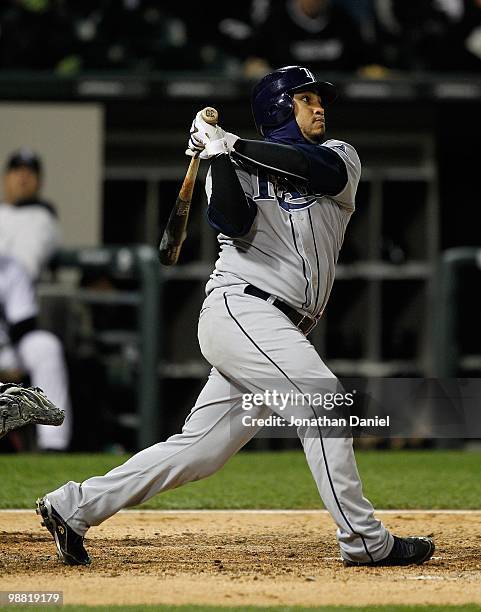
x: 205, y: 131
x: 203, y: 135
x: 206, y: 149
x: 221, y: 146
x: 195, y: 144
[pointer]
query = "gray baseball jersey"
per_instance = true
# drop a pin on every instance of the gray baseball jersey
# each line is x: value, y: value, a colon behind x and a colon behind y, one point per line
x: 292, y: 247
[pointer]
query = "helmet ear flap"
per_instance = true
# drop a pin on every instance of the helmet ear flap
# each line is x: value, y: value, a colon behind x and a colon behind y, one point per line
x: 286, y: 106
x: 280, y: 110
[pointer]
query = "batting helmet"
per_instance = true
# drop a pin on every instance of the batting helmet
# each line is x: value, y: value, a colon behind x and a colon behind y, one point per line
x: 271, y: 99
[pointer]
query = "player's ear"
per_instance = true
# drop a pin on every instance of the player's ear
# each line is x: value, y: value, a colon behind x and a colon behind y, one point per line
x: 295, y: 105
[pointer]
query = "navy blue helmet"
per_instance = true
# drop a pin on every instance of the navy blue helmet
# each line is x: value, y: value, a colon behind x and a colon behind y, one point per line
x: 271, y: 99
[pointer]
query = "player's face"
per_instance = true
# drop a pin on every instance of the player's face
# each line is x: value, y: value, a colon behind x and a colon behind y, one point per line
x: 20, y: 183
x: 309, y: 114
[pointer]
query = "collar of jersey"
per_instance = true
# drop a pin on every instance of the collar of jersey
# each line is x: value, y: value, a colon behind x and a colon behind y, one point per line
x: 288, y: 133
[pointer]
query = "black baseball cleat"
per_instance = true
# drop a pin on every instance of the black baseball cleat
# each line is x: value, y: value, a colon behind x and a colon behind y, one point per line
x: 70, y: 545
x: 406, y: 551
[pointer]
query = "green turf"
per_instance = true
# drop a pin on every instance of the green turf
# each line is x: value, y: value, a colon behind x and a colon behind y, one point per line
x: 466, y: 608
x: 404, y: 479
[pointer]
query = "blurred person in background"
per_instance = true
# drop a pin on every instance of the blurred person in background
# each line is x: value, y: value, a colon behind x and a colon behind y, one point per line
x: 461, y: 50
x: 130, y: 35
x: 25, y: 348
x: 29, y: 228
x: 69, y: 37
x: 319, y: 32
x: 428, y: 35
x: 225, y: 38
x: 372, y: 36
x: 29, y: 235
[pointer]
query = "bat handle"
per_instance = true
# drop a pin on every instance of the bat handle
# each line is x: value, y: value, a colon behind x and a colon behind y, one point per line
x: 210, y: 115
x: 189, y: 180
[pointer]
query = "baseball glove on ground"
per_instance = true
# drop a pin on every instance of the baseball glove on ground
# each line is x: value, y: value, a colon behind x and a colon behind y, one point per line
x: 21, y: 406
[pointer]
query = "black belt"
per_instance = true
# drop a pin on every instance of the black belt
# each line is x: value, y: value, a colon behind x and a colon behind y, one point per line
x: 303, y: 322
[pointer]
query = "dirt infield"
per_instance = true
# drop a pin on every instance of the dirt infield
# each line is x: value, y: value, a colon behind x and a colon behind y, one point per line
x: 233, y: 558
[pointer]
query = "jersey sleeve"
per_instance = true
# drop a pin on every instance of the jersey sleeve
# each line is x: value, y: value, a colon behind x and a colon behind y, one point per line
x: 346, y: 198
x: 244, y: 179
x: 231, y: 210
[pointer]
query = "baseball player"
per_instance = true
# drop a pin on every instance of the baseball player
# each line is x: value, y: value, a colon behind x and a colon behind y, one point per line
x: 281, y: 207
x: 29, y: 235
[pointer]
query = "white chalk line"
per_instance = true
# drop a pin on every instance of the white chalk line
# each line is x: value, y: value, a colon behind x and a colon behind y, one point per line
x: 263, y: 511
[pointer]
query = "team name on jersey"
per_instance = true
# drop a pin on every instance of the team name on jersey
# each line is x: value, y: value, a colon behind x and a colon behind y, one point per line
x: 289, y: 196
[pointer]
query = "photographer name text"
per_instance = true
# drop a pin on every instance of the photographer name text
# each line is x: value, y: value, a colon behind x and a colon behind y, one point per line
x: 321, y: 421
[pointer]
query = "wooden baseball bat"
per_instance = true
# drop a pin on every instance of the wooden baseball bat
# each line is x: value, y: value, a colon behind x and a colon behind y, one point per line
x: 175, y: 230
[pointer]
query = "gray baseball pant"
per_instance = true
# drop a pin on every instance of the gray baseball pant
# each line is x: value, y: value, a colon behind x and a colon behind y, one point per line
x: 250, y: 344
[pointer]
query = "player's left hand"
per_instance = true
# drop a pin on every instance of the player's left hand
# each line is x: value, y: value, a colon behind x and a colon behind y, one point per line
x: 208, y: 140
x: 201, y: 133
x: 205, y: 131
x: 195, y: 145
